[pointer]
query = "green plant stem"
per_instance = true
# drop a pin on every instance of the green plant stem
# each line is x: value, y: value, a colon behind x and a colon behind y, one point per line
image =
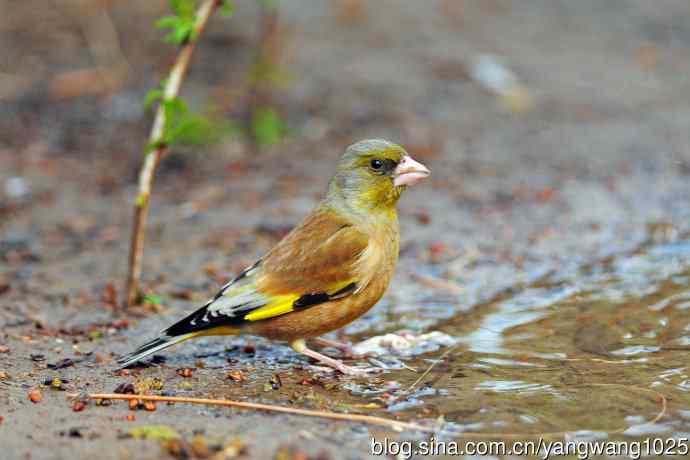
x: 152, y: 158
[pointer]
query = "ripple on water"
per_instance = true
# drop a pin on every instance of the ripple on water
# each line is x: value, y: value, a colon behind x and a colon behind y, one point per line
x: 647, y: 429
x: 507, y: 362
x: 635, y: 350
x: 526, y: 307
x: 514, y: 386
x: 576, y: 351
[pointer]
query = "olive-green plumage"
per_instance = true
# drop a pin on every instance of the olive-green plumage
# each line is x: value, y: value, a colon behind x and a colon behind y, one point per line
x: 329, y: 270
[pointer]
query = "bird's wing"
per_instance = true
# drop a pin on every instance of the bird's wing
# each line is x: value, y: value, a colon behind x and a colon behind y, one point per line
x: 318, y: 261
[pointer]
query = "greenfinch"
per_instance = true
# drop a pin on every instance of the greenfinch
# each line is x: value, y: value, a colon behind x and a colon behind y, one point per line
x: 329, y: 270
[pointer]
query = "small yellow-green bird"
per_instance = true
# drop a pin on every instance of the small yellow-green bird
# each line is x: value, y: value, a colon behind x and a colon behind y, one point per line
x: 328, y: 271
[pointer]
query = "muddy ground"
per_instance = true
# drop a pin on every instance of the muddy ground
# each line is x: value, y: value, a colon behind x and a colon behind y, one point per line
x: 563, y: 229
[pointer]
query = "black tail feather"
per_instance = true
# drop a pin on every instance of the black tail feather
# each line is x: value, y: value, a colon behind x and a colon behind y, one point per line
x: 159, y: 343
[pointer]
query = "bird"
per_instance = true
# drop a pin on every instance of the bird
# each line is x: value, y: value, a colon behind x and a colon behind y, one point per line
x: 326, y: 272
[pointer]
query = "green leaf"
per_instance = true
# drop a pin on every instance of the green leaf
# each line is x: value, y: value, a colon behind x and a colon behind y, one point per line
x: 227, y: 8
x: 167, y: 22
x: 182, y: 7
x: 155, y: 432
x: 153, y: 145
x: 182, y: 28
x: 151, y: 97
x: 154, y: 299
x: 140, y: 201
x: 183, y: 32
x: 197, y: 129
x: 267, y: 126
x: 173, y: 109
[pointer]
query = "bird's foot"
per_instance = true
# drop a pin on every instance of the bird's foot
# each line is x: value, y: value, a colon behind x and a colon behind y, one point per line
x: 346, y: 370
x: 359, y: 371
x: 344, y: 348
x: 301, y: 347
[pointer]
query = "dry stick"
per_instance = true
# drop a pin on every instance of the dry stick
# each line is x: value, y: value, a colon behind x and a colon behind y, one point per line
x: 394, y: 424
x: 141, y: 203
x: 433, y: 364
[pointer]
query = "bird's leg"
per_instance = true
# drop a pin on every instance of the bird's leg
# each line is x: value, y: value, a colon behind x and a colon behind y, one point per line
x: 344, y: 348
x: 300, y: 346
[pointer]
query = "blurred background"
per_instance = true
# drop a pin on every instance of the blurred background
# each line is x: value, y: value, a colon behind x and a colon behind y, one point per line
x: 580, y: 107
x: 74, y: 74
x: 554, y: 227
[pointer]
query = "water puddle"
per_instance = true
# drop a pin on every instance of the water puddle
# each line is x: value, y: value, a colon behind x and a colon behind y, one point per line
x: 596, y: 351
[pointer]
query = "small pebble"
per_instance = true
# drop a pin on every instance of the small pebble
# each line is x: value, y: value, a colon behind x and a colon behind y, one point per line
x: 185, y: 372
x: 78, y: 405
x: 35, y: 396
x: 236, y: 376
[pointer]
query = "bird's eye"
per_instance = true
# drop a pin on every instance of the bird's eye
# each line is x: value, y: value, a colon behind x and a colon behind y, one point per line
x: 376, y: 164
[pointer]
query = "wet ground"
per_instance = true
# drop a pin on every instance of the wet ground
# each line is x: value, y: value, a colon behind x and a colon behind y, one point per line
x: 561, y: 236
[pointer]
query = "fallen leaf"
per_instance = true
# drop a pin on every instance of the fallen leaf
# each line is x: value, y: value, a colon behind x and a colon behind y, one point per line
x: 109, y: 296
x: 176, y: 448
x: 63, y: 363
x: 236, y: 376
x: 234, y: 449
x: 155, y: 432
x: 199, y: 447
x: 124, y: 389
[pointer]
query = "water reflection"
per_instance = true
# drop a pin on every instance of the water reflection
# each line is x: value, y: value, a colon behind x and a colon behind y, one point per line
x: 577, y: 350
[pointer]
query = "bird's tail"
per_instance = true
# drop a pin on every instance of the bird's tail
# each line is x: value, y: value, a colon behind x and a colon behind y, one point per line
x: 149, y: 348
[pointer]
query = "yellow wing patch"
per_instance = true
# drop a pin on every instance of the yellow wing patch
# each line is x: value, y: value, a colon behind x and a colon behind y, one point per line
x: 279, y: 305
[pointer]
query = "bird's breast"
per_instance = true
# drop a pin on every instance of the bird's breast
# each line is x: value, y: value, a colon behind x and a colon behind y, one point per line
x: 374, y: 269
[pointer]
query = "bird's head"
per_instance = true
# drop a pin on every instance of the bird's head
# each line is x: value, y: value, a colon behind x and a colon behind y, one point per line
x: 372, y: 174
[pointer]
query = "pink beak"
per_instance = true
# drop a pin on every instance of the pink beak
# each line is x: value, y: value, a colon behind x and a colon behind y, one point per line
x: 409, y: 172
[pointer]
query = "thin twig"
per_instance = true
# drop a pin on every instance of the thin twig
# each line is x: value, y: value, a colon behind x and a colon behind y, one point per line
x: 437, y: 283
x: 426, y: 372
x: 369, y: 419
x: 394, y: 424
x: 141, y: 202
